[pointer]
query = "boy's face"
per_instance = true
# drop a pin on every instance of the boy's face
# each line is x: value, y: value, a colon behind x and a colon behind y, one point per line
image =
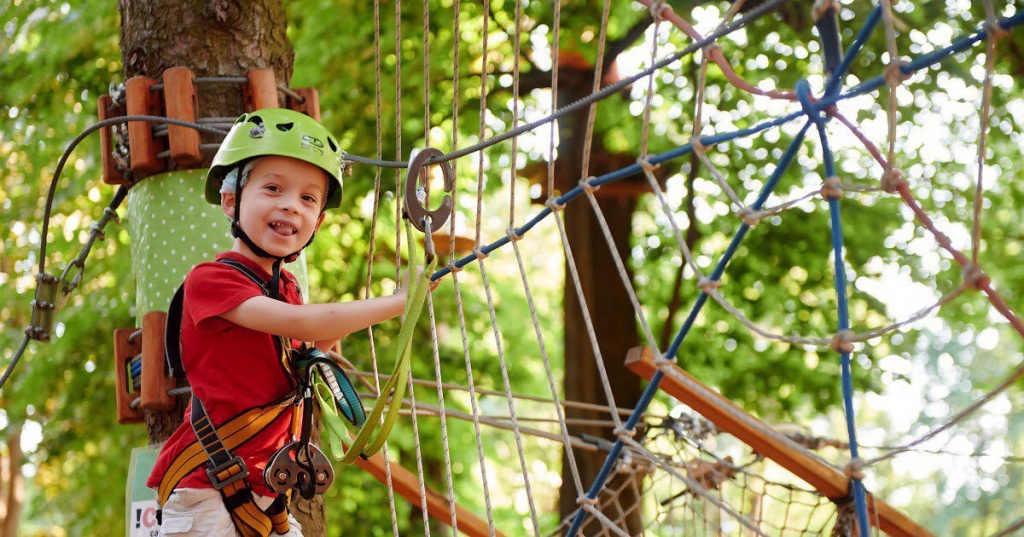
x: 281, y: 203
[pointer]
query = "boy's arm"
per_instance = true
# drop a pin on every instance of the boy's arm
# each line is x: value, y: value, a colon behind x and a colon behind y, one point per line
x: 314, y: 322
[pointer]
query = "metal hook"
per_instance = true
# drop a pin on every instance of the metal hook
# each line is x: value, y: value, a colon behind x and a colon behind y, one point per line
x: 414, y: 208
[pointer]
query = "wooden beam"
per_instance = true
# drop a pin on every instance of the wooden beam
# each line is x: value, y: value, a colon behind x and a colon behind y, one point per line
x: 406, y: 484
x: 732, y: 419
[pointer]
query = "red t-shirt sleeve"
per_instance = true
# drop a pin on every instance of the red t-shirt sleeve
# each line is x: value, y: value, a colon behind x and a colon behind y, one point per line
x: 214, y: 288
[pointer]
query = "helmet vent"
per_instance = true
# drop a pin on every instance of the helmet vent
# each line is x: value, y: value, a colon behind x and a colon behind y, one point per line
x: 240, y: 119
x: 257, y: 120
x: 285, y: 127
x: 334, y: 146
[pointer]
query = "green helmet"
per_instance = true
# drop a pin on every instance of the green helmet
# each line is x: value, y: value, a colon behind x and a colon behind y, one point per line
x: 282, y: 132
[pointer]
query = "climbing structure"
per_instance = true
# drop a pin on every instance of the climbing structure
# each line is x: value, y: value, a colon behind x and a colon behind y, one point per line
x: 685, y: 460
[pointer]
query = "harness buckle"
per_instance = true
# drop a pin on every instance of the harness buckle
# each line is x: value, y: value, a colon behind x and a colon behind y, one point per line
x: 214, y: 473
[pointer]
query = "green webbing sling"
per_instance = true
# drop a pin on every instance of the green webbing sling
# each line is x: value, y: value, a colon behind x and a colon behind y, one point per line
x: 372, y: 435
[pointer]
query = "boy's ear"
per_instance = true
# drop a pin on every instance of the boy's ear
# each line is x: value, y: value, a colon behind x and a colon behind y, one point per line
x: 227, y: 204
x: 319, y: 221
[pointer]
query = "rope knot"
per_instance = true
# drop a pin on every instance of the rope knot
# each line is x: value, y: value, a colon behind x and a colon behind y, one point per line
x: 664, y: 363
x: 645, y: 163
x: 712, y: 51
x: 452, y: 267
x: 855, y: 470
x: 821, y: 7
x: 892, y: 180
x: 657, y: 10
x: 698, y: 145
x: 894, y: 75
x: 620, y: 432
x: 995, y: 31
x: 587, y: 186
x: 974, y: 277
x: 584, y: 502
x: 554, y: 205
x: 512, y: 235
x: 842, y: 342
x: 750, y: 216
x: 479, y: 254
x: 832, y: 188
x: 707, y: 285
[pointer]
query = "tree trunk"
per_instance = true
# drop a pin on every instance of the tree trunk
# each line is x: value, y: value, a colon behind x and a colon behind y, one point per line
x: 15, y: 483
x: 212, y: 38
x: 607, y: 301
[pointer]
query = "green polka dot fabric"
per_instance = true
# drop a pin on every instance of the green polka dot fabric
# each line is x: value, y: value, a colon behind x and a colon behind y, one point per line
x: 173, y: 229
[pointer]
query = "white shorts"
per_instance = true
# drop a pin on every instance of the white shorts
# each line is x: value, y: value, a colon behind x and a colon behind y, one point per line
x: 202, y: 512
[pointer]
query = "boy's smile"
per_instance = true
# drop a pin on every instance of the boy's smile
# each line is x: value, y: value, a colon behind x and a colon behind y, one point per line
x: 281, y: 207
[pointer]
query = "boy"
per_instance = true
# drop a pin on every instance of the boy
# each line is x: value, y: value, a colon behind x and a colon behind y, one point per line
x: 239, y: 317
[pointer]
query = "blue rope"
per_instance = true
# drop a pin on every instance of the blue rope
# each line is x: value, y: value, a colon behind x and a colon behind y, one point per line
x: 859, y: 495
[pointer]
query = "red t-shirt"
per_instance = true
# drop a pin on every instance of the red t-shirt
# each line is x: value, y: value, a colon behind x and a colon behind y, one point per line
x: 231, y: 368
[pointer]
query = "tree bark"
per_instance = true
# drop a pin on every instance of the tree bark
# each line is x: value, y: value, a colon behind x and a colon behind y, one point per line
x: 606, y: 299
x: 15, y: 483
x: 212, y: 38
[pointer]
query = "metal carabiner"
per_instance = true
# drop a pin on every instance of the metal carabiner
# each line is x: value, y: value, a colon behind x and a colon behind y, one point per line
x: 414, y: 208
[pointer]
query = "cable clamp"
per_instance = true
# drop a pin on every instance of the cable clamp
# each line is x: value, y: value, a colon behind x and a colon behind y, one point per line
x: 479, y: 254
x: 855, y: 470
x: 707, y: 284
x: 657, y: 10
x: 587, y: 186
x: 974, y: 277
x: 842, y: 342
x: 512, y: 235
x: 750, y: 216
x: 894, y: 75
x: 892, y: 180
x: 554, y: 205
x: 832, y: 188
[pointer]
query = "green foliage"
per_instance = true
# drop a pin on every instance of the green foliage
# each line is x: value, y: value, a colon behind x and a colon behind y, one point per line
x: 55, y: 59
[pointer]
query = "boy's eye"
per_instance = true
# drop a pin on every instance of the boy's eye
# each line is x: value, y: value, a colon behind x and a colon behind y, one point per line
x: 310, y: 199
x: 273, y: 188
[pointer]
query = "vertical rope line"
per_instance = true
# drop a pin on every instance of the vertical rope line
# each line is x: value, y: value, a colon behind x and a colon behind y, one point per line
x: 472, y: 400
x: 554, y: 98
x: 515, y: 116
x: 598, y: 70
x: 683, y: 247
x: 588, y: 323
x: 373, y: 234
x: 508, y: 396
x: 484, y: 68
x: 430, y: 294
x: 424, y: 510
x: 570, y: 454
x: 986, y: 105
x: 894, y: 61
x: 398, y: 140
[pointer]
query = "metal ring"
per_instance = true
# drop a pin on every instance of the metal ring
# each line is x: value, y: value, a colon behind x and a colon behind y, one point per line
x: 415, y: 210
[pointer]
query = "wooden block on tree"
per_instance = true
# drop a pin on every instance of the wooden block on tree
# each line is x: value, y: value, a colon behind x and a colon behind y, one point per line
x: 142, y: 145
x: 155, y: 381
x: 182, y: 103
x: 124, y: 350
x: 111, y: 175
x: 310, y: 106
x: 261, y: 90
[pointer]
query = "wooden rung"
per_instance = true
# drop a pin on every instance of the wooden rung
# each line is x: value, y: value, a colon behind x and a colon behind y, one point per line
x: 730, y: 418
x: 123, y: 351
x: 155, y: 381
x: 311, y: 105
x: 111, y: 175
x: 142, y: 146
x: 406, y: 484
x: 181, y: 102
x: 261, y: 90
